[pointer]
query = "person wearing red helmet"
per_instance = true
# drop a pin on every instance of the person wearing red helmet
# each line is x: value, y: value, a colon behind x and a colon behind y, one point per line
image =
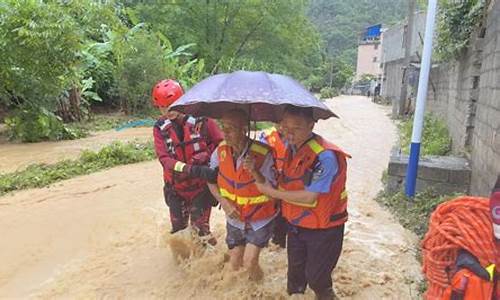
x: 183, y: 146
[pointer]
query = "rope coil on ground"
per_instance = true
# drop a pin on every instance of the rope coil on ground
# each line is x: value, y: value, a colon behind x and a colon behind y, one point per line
x: 462, y: 223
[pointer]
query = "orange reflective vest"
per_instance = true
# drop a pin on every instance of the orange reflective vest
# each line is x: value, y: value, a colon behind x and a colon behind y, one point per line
x: 466, y: 285
x: 274, y: 140
x: 238, y: 185
x: 329, y: 209
x: 471, y: 281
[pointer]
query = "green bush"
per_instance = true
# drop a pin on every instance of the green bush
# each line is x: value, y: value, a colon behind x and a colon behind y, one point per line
x: 145, y: 57
x: 435, y: 136
x: 40, y: 175
x: 140, y: 65
x: 456, y: 22
x: 314, y: 83
x: 118, y: 154
x: 328, y: 92
x: 38, y: 124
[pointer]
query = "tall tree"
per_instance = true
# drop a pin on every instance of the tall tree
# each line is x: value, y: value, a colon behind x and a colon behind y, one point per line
x: 252, y: 34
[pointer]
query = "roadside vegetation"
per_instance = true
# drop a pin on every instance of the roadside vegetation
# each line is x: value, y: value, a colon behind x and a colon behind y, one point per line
x: 414, y: 213
x: 41, y: 175
x: 436, y: 139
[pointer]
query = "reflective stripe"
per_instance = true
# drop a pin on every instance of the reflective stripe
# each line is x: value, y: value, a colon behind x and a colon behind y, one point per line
x: 243, y: 200
x: 165, y: 124
x: 259, y: 149
x: 491, y: 271
x: 226, y: 194
x: 179, y: 166
x: 315, y: 146
x: 343, y: 196
x: 309, y: 205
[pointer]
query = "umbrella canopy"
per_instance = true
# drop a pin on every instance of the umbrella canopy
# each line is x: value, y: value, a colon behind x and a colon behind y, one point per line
x: 263, y: 95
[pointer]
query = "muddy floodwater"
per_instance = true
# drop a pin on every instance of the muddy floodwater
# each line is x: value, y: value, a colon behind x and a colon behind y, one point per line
x: 105, y: 235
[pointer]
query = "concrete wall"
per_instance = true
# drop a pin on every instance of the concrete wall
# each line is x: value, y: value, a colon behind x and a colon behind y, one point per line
x: 366, y: 64
x: 394, y: 40
x: 467, y: 97
x: 445, y: 175
x: 454, y: 97
x: 392, y: 79
x: 393, y: 43
x: 486, y: 135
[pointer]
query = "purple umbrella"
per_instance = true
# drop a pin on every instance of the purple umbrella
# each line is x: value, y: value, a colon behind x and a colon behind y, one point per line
x: 264, y: 95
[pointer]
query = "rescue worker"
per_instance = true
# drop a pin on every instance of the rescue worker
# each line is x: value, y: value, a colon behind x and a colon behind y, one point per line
x: 183, y: 146
x: 273, y: 138
x: 313, y: 201
x: 468, y: 278
x: 249, y: 213
x: 471, y: 281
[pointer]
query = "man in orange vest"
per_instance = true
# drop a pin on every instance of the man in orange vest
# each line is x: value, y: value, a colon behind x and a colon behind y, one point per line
x: 183, y: 146
x: 313, y: 201
x: 249, y: 213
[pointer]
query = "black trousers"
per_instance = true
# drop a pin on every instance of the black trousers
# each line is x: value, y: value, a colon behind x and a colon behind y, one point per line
x: 312, y: 256
x: 280, y: 230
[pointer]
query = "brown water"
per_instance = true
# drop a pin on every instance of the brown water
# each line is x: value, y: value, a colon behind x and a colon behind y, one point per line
x: 17, y: 156
x: 105, y: 235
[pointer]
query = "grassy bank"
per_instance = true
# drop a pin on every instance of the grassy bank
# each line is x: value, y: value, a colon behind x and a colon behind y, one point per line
x: 414, y: 213
x: 40, y: 175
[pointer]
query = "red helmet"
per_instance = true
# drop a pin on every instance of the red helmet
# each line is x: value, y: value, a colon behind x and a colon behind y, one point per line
x: 166, y: 92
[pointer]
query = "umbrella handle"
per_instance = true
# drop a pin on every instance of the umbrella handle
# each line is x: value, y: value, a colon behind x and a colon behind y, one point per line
x: 249, y: 136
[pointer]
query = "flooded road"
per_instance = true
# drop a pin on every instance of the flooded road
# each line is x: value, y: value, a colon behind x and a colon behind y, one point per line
x: 104, y: 235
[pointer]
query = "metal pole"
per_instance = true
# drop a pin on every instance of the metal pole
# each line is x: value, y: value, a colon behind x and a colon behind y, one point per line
x: 418, y: 120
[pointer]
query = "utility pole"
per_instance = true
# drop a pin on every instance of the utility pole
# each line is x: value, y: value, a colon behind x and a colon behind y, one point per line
x: 423, y: 81
x: 407, y: 59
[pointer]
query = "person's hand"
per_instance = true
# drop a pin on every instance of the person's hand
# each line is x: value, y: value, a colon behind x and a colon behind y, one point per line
x: 249, y: 165
x: 230, y: 209
x: 264, y: 187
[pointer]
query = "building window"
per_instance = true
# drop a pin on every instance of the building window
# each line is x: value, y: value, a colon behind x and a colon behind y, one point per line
x: 374, y: 59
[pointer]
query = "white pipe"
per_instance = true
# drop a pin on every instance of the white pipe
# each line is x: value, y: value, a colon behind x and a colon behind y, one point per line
x: 425, y: 67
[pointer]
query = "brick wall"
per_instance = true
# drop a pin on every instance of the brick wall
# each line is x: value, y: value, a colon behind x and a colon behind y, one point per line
x: 467, y: 97
x: 485, y: 154
x: 454, y: 93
